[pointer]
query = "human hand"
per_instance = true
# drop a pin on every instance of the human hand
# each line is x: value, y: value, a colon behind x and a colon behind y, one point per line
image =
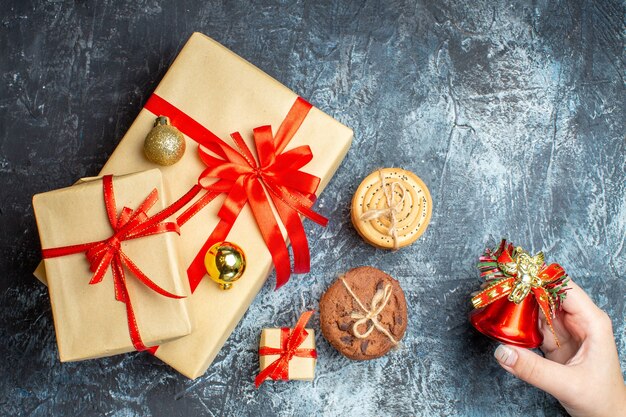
x: 584, y: 373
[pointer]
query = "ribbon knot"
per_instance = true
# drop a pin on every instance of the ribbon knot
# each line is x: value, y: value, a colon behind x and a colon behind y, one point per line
x: 108, y: 253
x: 257, y: 172
x: 291, y: 349
x: 377, y: 305
x: 391, y: 211
x: 114, y: 243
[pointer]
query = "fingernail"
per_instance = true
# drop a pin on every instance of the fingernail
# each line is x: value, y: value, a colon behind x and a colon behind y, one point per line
x: 505, y: 355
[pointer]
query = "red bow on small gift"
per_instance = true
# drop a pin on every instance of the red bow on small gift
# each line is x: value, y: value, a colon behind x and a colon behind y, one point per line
x: 104, y: 253
x: 290, y: 341
x: 276, y: 177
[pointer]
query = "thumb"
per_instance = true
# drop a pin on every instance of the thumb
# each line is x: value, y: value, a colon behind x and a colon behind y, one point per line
x: 534, y: 369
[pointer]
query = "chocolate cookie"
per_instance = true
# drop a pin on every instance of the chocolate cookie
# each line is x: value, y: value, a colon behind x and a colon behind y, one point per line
x: 363, y: 314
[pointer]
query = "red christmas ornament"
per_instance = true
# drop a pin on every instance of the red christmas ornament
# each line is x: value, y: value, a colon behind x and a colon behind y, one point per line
x: 513, y: 324
x: 518, y: 287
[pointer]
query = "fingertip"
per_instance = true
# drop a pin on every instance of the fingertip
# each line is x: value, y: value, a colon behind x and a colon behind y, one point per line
x: 577, y: 301
x: 506, y: 356
x: 532, y: 368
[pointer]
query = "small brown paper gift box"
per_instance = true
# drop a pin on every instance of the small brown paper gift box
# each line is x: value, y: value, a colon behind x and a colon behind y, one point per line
x: 224, y: 93
x: 89, y: 321
x: 300, y: 368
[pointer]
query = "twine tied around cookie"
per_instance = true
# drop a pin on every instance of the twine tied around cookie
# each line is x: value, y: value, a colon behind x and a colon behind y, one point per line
x: 391, y: 210
x: 378, y: 304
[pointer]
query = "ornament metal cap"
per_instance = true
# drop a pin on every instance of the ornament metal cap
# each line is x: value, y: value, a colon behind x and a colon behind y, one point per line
x: 225, y: 263
x: 162, y: 120
x: 164, y: 144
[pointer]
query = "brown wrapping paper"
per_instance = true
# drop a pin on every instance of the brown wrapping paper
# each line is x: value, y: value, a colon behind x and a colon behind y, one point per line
x: 89, y: 322
x: 302, y: 369
x: 225, y: 93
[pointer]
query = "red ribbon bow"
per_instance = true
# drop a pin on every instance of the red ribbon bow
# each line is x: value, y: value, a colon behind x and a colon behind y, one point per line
x: 104, y: 253
x: 276, y: 177
x: 290, y: 341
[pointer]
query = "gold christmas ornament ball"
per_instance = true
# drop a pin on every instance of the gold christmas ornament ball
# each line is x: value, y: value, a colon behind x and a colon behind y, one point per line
x: 225, y: 263
x: 164, y: 145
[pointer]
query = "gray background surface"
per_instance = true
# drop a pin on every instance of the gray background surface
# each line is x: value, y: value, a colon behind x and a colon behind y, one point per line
x: 512, y: 112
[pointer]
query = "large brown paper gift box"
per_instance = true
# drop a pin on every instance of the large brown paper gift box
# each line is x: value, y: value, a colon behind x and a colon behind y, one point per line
x: 224, y: 93
x: 89, y: 321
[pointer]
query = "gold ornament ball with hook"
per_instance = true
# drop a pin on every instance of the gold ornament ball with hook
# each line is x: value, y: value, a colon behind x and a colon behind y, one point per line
x: 164, y: 144
x: 225, y: 263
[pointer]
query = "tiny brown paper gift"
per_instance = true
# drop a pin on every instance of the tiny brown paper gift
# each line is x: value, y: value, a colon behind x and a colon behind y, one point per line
x: 89, y: 321
x: 301, y: 369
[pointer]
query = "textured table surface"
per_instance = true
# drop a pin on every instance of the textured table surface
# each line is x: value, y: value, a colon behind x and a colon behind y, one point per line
x: 512, y: 112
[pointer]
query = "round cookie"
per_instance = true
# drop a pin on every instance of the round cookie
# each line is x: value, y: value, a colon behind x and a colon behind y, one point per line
x: 371, y: 214
x: 340, y: 311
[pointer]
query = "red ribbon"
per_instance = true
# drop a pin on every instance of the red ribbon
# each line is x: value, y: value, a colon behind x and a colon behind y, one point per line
x: 104, y: 253
x: 276, y: 177
x: 290, y: 341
